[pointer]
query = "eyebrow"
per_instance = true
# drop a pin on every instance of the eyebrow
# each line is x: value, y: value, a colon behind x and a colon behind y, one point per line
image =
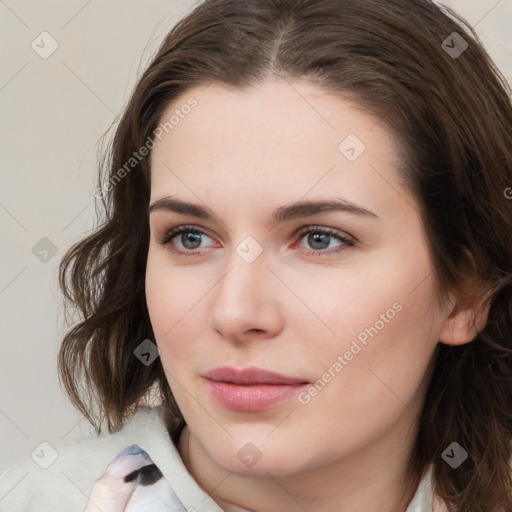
x: 283, y: 213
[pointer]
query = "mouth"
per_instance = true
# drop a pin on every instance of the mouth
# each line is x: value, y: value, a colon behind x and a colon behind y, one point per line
x: 251, y: 389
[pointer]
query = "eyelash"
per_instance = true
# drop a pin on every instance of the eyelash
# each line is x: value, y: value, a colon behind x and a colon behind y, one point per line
x: 346, y: 241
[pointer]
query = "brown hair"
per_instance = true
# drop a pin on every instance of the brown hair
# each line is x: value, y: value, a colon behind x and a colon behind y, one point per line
x: 452, y: 117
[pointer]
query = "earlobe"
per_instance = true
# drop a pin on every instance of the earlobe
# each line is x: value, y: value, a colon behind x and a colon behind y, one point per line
x: 469, y: 307
x: 464, y: 323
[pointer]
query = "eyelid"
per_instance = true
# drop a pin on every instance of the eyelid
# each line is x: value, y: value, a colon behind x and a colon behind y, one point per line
x: 330, y: 231
x: 346, y: 239
x: 169, y: 234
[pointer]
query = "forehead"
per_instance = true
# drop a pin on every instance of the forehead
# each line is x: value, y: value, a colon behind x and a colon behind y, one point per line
x: 280, y: 138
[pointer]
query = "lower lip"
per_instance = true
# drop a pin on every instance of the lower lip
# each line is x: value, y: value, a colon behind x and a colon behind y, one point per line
x: 252, y: 398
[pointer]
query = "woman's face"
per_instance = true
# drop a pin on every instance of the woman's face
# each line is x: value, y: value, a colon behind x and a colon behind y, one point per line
x: 351, y: 328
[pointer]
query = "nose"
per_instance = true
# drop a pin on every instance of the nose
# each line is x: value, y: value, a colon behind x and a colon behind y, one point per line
x: 246, y: 304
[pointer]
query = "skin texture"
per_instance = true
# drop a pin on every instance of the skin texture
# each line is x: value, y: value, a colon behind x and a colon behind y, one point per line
x: 243, y: 154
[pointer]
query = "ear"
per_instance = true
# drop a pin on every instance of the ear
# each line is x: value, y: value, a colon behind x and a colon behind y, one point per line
x: 465, y: 321
x: 468, y: 313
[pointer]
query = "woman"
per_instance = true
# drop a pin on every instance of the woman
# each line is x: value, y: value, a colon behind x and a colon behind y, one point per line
x: 306, y: 259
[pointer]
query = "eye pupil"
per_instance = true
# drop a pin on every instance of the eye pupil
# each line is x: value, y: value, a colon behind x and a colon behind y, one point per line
x: 319, y: 237
x: 192, y: 238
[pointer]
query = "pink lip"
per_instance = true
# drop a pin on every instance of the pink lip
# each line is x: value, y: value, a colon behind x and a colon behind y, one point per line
x: 251, y: 389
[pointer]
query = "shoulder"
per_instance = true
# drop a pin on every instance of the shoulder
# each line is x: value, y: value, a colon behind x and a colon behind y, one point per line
x: 60, y: 479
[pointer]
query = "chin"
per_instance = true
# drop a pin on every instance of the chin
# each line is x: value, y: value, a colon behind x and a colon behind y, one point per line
x: 259, y: 459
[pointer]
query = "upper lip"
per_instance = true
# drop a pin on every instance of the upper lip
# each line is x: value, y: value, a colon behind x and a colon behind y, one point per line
x: 250, y: 376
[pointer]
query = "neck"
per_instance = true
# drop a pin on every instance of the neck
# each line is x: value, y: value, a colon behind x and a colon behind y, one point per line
x: 376, y: 478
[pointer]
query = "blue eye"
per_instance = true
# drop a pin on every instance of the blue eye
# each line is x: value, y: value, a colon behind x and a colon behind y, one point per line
x: 190, y: 239
x: 320, y: 239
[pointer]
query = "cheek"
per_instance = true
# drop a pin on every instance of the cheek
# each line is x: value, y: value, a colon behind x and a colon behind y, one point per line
x: 174, y: 299
x: 374, y: 367
x: 382, y: 320
x: 170, y: 292
x: 385, y: 297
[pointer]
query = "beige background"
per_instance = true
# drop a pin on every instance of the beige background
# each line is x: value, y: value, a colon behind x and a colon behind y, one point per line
x: 53, y: 113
